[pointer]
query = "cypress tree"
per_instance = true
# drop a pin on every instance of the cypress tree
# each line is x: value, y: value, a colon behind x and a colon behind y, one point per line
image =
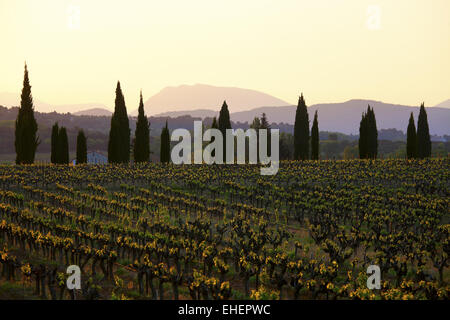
x: 368, y: 135
x: 119, y: 134
x: 224, y: 124
x: 315, y: 138
x: 164, y: 155
x: 423, y: 135
x: 256, y: 124
x: 54, y: 144
x: 362, y: 142
x: 411, y: 139
x: 141, y: 148
x: 264, y: 124
x: 63, y: 146
x: 372, y: 138
x: 81, y: 147
x: 214, y: 125
x: 301, y: 131
x: 26, y: 140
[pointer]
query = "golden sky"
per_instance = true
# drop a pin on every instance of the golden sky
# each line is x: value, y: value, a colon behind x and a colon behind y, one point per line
x: 396, y: 51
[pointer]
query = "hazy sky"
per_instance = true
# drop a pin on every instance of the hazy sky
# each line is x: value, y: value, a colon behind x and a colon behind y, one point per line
x: 396, y: 51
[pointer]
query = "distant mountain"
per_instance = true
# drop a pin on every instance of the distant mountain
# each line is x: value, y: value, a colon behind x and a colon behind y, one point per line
x: 94, y: 112
x: 9, y: 99
x: 199, y: 113
x: 345, y: 117
x: 201, y: 96
x: 342, y: 117
x: 203, y: 101
x: 444, y: 104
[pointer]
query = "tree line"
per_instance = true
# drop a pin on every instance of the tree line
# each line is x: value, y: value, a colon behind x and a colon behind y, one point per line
x: 306, y: 140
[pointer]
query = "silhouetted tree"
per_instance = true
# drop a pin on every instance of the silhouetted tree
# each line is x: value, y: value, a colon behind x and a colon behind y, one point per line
x: 26, y: 140
x: 256, y: 124
x: 141, y: 146
x: 214, y: 125
x: 368, y: 135
x: 301, y: 131
x: 54, y: 144
x: 224, y: 124
x: 63, y: 146
x: 264, y: 124
x: 362, y: 142
x: 411, y: 139
x: 315, y: 138
x: 81, y: 147
x: 119, y: 134
x: 165, y: 145
x: 372, y: 138
x: 423, y: 135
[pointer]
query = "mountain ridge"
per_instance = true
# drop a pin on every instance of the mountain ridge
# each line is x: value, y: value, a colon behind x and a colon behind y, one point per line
x: 340, y: 117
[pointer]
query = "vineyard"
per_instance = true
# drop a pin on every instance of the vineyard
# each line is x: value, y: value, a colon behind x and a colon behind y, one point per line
x: 157, y: 231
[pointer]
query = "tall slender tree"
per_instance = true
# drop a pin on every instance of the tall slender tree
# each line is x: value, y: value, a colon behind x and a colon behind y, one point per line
x: 256, y: 124
x: 301, y: 131
x: 362, y: 142
x: 264, y: 124
x: 54, y: 144
x: 164, y: 155
x: 423, y: 134
x: 141, y: 148
x: 63, y: 146
x: 411, y: 139
x: 315, y: 138
x: 224, y: 124
x: 119, y: 134
x: 372, y: 138
x: 26, y: 139
x: 214, y: 125
x: 368, y: 135
x: 81, y: 147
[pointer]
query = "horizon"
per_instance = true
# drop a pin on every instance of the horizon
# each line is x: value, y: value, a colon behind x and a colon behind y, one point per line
x: 76, y: 50
x: 131, y: 110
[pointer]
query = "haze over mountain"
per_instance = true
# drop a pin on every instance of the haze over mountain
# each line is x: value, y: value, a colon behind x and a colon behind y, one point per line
x: 444, y: 104
x: 201, y: 96
x: 205, y: 101
x: 94, y: 112
x: 341, y: 117
x: 9, y: 99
